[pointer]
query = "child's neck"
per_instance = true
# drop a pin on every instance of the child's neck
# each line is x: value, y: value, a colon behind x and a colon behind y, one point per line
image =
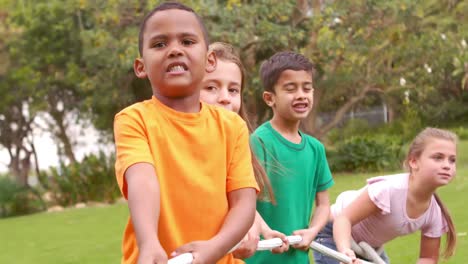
x: 418, y: 198
x: 420, y: 190
x: 288, y: 129
x: 188, y: 104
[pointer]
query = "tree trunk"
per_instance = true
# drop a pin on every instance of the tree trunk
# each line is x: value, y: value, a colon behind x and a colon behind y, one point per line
x: 20, y: 168
x: 62, y: 135
x: 300, y: 12
x: 248, y: 59
x: 322, y: 131
x: 61, y: 132
x: 317, y: 5
x: 36, y: 161
x: 15, y: 140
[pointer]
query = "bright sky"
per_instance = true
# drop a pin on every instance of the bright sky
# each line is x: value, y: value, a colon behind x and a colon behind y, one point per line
x: 86, y: 137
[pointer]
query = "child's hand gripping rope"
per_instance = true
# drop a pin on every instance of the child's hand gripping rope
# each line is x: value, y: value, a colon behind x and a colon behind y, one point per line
x: 248, y: 245
x: 152, y: 253
x: 307, y: 236
x: 201, y: 252
x: 270, y: 244
x: 188, y: 258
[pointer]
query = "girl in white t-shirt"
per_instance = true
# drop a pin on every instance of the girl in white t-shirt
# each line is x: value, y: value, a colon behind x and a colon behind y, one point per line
x: 401, y: 204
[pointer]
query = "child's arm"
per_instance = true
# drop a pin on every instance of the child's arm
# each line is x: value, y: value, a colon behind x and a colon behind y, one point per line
x: 361, y: 208
x: 236, y: 224
x: 269, y: 233
x: 240, y: 218
x: 429, y: 250
x: 318, y: 221
x: 249, y: 244
x: 144, y: 205
x: 137, y: 180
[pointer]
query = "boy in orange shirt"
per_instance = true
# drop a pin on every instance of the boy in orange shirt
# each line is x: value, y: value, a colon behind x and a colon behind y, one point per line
x: 184, y: 166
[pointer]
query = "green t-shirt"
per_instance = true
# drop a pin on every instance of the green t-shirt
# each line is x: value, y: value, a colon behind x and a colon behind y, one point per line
x: 297, y: 172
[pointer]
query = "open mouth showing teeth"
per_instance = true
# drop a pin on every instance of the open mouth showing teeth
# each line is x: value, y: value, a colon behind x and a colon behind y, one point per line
x: 176, y: 68
x: 300, y: 105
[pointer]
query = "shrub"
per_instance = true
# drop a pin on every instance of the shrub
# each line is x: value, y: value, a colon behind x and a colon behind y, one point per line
x: 353, y: 127
x: 93, y: 179
x: 17, y: 200
x: 366, y: 154
x: 462, y: 132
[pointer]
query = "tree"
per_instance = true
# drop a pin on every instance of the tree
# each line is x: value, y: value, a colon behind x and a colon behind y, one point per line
x: 16, y: 117
x: 41, y: 72
x: 386, y: 48
x: 362, y: 50
x: 50, y: 46
x: 109, y: 34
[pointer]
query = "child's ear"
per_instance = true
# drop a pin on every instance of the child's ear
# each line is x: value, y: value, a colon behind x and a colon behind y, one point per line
x: 139, y: 68
x: 211, y: 62
x: 412, y: 162
x: 269, y: 98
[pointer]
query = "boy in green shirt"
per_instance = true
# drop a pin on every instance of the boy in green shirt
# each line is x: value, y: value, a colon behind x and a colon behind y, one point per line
x: 295, y: 162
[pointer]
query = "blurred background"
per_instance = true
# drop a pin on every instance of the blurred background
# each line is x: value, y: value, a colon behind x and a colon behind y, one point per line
x: 385, y: 70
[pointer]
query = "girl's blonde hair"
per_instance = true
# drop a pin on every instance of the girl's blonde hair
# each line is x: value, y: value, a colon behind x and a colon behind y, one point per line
x: 414, y: 152
x: 226, y: 52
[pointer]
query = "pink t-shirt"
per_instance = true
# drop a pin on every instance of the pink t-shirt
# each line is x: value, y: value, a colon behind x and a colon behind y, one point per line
x: 389, y: 194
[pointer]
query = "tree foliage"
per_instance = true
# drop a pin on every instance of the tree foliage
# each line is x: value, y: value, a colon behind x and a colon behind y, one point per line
x: 77, y: 56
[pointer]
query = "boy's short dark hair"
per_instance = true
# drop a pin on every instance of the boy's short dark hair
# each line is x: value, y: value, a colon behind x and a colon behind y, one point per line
x: 170, y: 6
x: 272, y: 68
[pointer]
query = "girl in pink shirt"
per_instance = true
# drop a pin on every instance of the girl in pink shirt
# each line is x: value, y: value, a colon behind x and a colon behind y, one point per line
x: 401, y: 204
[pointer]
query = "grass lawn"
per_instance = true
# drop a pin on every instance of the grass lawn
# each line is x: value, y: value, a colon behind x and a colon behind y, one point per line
x: 89, y: 235
x: 93, y: 235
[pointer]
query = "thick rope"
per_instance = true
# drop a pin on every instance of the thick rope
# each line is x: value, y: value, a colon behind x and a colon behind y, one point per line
x: 366, y: 251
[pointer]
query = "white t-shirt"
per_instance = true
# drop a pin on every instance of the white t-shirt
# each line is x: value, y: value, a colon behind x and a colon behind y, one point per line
x: 389, y: 194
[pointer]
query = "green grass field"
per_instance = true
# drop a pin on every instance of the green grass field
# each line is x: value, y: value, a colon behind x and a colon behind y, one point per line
x: 93, y: 235
x: 89, y: 235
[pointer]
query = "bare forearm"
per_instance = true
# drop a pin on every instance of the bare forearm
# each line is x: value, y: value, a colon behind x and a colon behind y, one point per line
x: 429, y: 250
x: 360, y: 208
x: 342, y: 233
x: 426, y: 261
x: 261, y: 223
x: 238, y: 220
x: 144, y: 205
x: 321, y: 212
x: 320, y: 217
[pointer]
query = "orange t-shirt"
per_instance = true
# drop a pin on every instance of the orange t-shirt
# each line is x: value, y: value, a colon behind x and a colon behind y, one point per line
x: 198, y: 158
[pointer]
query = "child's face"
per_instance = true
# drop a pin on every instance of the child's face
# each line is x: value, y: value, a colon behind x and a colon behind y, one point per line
x: 437, y: 163
x: 294, y: 95
x: 174, y: 53
x: 222, y: 87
